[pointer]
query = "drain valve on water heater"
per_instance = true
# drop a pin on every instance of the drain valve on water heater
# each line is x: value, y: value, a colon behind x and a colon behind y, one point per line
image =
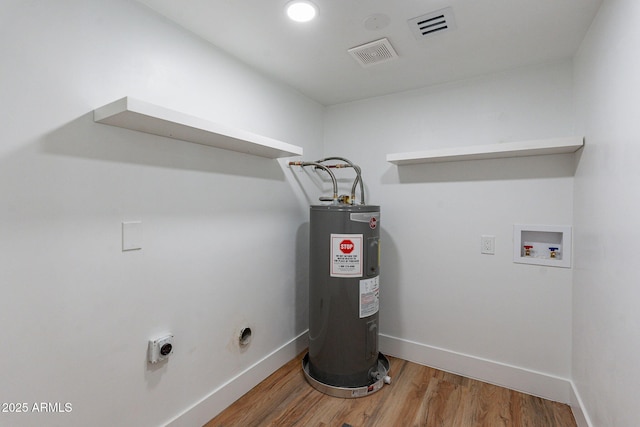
x: 160, y: 348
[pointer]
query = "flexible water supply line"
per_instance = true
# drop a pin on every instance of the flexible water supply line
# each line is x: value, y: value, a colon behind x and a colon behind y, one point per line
x: 326, y: 169
x: 355, y: 182
x: 352, y: 198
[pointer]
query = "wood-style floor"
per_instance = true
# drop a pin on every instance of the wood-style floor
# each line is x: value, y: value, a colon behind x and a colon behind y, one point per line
x: 417, y: 396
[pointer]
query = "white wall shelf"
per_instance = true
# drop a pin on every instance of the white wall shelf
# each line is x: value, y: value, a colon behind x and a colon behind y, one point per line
x: 142, y: 116
x: 492, y: 151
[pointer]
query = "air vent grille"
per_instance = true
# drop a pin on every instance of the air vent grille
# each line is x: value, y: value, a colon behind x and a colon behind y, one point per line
x: 432, y: 23
x: 373, y: 53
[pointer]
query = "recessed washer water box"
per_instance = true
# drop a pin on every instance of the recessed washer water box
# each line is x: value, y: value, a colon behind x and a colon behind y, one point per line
x: 548, y: 245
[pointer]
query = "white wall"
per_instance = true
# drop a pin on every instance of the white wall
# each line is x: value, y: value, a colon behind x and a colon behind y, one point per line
x: 77, y: 311
x: 606, y: 213
x: 437, y: 291
x: 224, y: 240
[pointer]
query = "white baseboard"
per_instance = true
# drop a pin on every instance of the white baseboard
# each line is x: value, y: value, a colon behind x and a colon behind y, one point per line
x: 527, y: 381
x: 515, y: 378
x: 223, y: 396
x: 577, y: 407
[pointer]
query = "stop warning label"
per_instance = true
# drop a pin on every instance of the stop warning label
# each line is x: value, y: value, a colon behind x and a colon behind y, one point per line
x: 346, y: 255
x: 346, y: 246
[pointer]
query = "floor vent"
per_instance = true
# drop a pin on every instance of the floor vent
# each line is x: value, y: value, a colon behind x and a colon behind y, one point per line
x: 373, y: 53
x: 432, y: 23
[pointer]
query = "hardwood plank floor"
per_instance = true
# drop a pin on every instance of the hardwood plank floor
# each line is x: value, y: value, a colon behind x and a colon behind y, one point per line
x: 418, y: 396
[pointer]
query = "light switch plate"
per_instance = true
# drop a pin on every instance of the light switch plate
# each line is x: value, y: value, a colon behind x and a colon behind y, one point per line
x: 131, y: 236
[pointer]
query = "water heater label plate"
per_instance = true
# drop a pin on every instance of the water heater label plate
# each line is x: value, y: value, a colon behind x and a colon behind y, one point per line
x: 346, y: 255
x: 369, y: 296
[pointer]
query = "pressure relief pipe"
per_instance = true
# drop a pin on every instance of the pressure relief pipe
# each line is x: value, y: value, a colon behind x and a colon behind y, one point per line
x: 355, y: 182
x: 327, y: 170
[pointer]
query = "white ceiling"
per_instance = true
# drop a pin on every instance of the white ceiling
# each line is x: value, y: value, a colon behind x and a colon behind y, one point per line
x: 491, y: 35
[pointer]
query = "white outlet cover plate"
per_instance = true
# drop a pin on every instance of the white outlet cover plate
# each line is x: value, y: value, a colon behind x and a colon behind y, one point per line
x: 488, y: 244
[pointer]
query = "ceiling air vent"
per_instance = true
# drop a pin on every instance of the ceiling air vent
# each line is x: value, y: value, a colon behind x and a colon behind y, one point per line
x: 373, y: 53
x: 432, y: 23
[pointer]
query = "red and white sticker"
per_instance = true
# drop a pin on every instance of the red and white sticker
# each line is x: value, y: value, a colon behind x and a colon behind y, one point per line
x: 346, y: 255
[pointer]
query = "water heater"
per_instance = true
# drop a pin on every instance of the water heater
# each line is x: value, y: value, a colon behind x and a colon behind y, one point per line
x: 344, y: 287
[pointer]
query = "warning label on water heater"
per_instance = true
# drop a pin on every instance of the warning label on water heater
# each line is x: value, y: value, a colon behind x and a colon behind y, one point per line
x: 369, y: 296
x: 346, y: 255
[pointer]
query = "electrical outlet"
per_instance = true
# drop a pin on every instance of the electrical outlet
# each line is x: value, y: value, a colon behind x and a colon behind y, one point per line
x: 160, y: 348
x: 488, y: 245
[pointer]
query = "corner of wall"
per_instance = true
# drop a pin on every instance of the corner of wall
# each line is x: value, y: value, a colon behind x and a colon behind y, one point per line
x: 578, y: 409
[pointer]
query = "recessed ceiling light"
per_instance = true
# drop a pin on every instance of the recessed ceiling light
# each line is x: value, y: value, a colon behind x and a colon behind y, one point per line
x: 301, y: 10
